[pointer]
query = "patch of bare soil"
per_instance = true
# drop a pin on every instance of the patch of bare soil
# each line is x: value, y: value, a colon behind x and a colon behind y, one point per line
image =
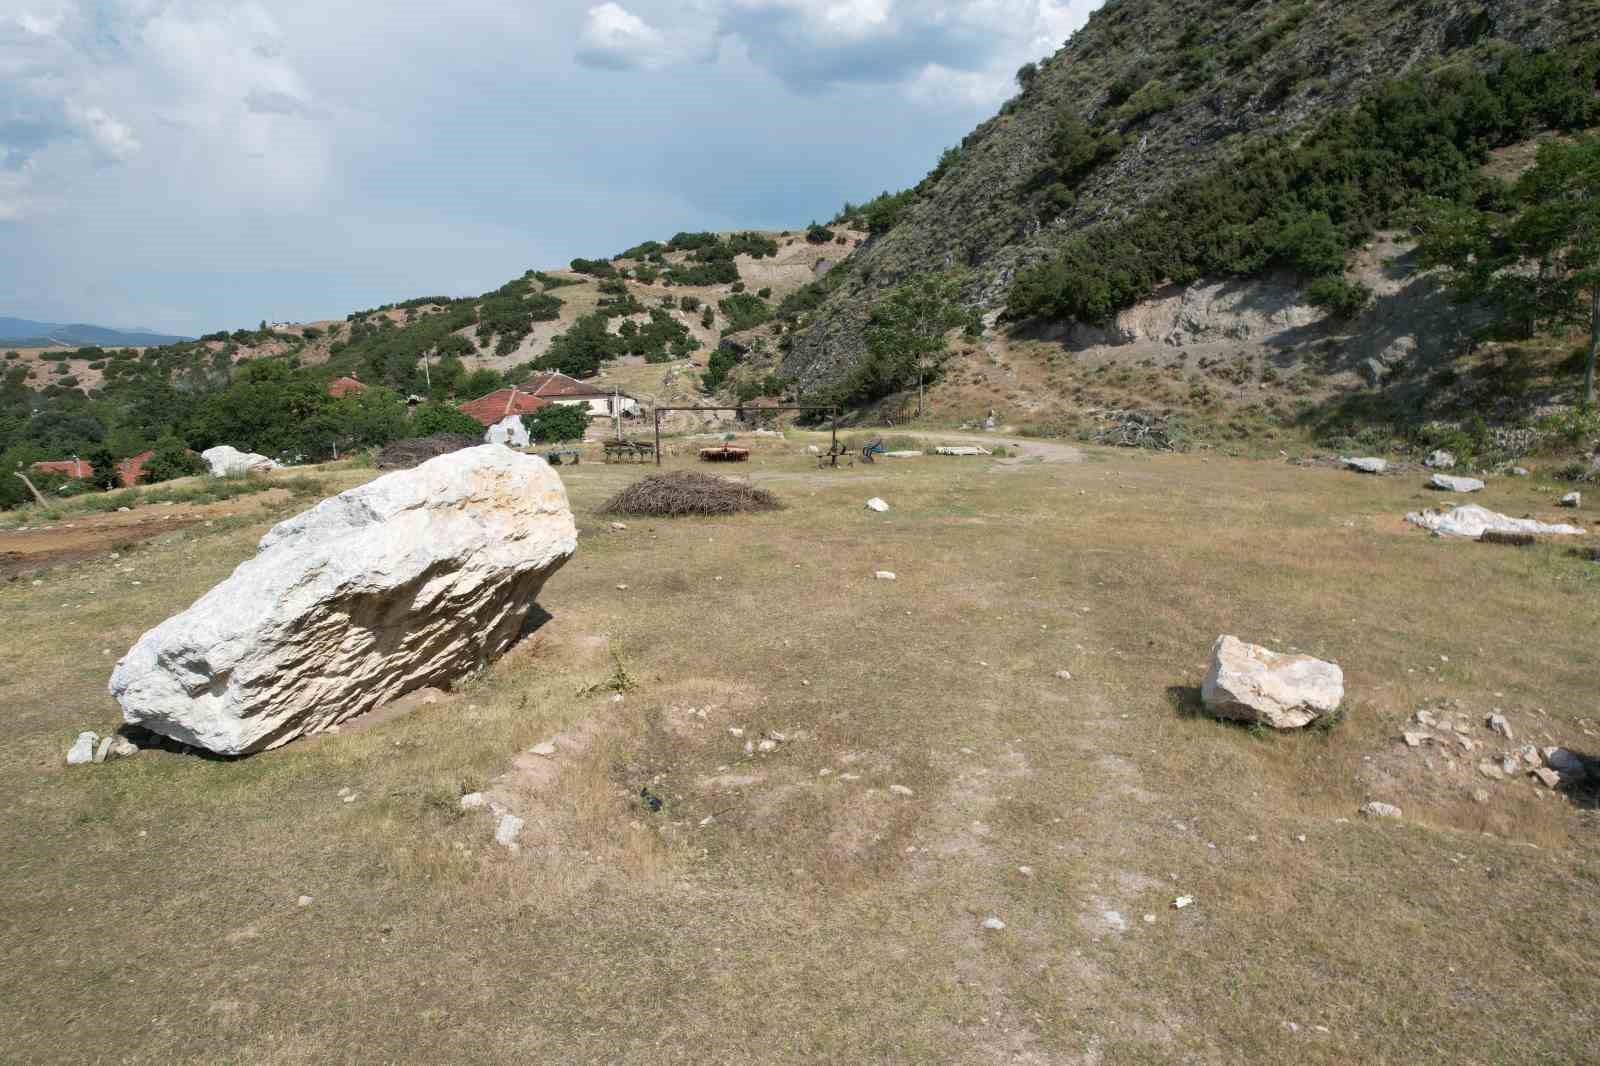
x: 29, y: 549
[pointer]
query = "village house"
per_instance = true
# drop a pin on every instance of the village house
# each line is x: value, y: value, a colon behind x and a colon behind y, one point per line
x: 129, y: 470
x: 560, y: 388
x: 500, y: 413
x: 339, y: 388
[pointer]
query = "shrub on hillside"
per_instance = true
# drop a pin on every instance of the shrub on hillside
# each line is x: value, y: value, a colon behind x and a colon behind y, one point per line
x: 431, y: 419
x: 171, y: 459
x: 558, y: 422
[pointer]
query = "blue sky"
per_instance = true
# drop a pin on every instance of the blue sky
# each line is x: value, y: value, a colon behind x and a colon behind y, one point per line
x: 193, y: 166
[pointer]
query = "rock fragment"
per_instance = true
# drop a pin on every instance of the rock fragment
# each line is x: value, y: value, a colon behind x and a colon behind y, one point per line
x: 1250, y: 683
x: 82, y: 750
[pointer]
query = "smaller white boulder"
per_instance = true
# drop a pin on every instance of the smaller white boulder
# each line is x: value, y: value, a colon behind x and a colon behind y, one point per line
x: 993, y: 924
x: 884, y: 575
x: 1440, y: 460
x: 82, y: 750
x: 1365, y: 465
x: 226, y: 461
x: 876, y: 504
x: 1497, y: 723
x: 507, y: 831
x: 1572, y: 499
x: 1455, y: 484
x: 1374, y: 809
x: 1250, y: 683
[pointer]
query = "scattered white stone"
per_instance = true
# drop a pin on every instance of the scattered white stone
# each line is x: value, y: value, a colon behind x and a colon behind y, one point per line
x: 1366, y: 465
x: 1470, y: 520
x: 1182, y: 902
x: 351, y: 798
x: 901, y: 790
x: 622, y: 588
x: 876, y: 504
x: 993, y: 923
x: 1425, y: 719
x: 735, y: 731
x: 1374, y: 809
x: 824, y: 772
x: 1548, y: 777
x: 473, y: 801
x: 767, y: 744
x: 618, y: 527
x: 101, y: 750
x: 949, y: 449
x: 1572, y: 499
x: 1491, y: 769
x: 1416, y: 740
x: 707, y: 820
x: 1254, y: 684
x: 303, y: 901
x: 1520, y: 471
x: 120, y: 747
x: 506, y: 832
x: 1025, y: 871
x: 306, y: 633
x: 1062, y: 675
x: 1497, y: 723
x: 1300, y: 838
x: 884, y: 575
x: 1440, y: 460
x: 1530, y: 755
x: 1149, y: 919
x: 82, y: 750
x: 545, y: 748
x: 1480, y: 795
x: 1455, y: 484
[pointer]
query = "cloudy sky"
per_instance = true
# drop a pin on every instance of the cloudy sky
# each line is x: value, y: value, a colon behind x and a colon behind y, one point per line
x: 188, y: 166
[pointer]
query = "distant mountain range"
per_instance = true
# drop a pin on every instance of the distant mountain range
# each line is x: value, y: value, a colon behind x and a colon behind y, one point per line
x: 24, y: 333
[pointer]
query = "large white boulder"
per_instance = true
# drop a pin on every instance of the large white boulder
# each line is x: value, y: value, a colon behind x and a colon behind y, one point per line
x: 1367, y: 465
x: 1255, y: 684
x: 1449, y: 483
x: 508, y: 431
x: 409, y: 581
x: 226, y: 461
x: 1470, y: 520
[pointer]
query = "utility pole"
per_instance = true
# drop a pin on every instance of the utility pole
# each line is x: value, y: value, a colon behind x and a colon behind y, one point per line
x: 616, y: 408
x: 36, y: 493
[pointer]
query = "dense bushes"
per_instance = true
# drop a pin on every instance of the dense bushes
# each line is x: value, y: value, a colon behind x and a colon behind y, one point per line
x: 171, y: 459
x: 557, y: 422
x: 1300, y: 207
x: 744, y: 311
x: 598, y: 268
x: 510, y: 312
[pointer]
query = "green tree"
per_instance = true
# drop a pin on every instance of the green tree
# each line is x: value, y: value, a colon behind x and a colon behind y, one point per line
x: 172, y: 459
x: 1538, y: 260
x: 106, y: 475
x: 431, y: 418
x: 557, y: 422
x: 905, y: 336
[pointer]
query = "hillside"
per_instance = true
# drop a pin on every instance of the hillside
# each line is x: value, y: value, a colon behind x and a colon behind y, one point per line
x: 26, y: 333
x: 1094, y: 213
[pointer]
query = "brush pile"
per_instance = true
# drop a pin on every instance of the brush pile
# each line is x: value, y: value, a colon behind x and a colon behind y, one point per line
x: 414, y: 451
x: 683, y: 493
x: 1139, y: 429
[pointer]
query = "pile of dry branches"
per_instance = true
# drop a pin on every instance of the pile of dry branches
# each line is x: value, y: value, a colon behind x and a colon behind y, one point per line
x: 1138, y: 429
x: 684, y: 493
x: 413, y: 451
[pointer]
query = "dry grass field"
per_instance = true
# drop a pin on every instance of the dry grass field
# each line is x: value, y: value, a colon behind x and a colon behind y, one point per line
x: 790, y: 905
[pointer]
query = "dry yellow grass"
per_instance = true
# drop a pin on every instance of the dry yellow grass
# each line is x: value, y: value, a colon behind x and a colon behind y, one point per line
x: 822, y: 917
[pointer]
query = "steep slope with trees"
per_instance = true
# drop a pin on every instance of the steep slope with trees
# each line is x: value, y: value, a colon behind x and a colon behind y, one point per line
x: 1170, y: 142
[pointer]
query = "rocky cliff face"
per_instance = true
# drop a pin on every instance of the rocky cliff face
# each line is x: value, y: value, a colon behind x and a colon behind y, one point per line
x: 1186, y: 86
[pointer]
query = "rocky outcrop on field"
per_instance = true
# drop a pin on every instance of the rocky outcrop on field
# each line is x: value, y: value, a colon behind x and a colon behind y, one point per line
x: 1231, y: 76
x: 408, y: 581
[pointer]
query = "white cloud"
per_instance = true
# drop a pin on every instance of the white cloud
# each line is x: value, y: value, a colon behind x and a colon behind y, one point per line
x: 615, y: 37
x: 114, y: 139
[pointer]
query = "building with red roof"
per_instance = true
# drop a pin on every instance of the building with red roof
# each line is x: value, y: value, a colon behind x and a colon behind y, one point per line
x: 339, y: 388
x: 129, y: 469
x: 502, y: 404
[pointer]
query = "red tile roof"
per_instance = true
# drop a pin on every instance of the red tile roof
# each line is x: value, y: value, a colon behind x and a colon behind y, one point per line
x: 342, y: 387
x: 132, y: 467
x: 79, y: 468
x: 553, y: 383
x: 502, y: 402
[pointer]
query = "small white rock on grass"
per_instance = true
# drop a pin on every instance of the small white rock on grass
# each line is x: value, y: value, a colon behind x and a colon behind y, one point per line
x: 901, y: 790
x: 507, y: 831
x: 82, y: 750
x: 884, y: 575
x: 303, y: 901
x: 473, y: 801
x: 1374, y: 809
x: 545, y: 749
x: 876, y: 504
x: 994, y: 924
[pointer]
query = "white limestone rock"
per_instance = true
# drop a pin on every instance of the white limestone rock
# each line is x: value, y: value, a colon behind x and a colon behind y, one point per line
x: 1470, y: 520
x: 1572, y: 499
x: 1375, y: 809
x: 1440, y: 460
x: 226, y: 461
x: 1455, y: 484
x: 1254, y: 684
x: 508, y: 431
x: 877, y: 504
x: 409, y: 581
x: 82, y: 750
x: 1365, y: 465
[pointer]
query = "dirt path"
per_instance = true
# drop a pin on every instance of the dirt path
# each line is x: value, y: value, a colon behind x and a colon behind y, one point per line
x: 1045, y: 451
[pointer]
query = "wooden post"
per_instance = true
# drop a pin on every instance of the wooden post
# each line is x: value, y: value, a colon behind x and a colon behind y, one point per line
x: 658, y: 436
x: 835, y: 414
x: 36, y: 493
